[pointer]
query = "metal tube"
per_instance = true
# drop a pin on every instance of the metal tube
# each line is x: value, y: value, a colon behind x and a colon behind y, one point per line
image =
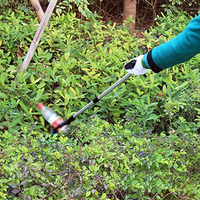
x: 114, y: 85
x: 103, y: 94
x: 83, y: 109
x: 68, y: 121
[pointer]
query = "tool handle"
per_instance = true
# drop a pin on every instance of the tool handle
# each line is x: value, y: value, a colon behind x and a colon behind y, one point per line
x: 129, y: 65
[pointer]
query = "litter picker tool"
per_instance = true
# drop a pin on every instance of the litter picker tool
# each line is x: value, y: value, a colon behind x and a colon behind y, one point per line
x: 129, y: 65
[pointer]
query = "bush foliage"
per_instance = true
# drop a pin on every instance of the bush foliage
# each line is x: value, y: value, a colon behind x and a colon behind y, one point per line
x: 139, y: 142
x: 147, y: 10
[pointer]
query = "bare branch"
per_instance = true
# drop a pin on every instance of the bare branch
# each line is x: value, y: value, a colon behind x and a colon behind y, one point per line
x: 37, y: 37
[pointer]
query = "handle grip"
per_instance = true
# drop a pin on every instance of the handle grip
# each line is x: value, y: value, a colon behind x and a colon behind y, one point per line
x: 131, y: 65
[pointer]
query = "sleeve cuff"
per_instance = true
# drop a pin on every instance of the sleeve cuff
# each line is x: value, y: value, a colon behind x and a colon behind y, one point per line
x: 148, y: 63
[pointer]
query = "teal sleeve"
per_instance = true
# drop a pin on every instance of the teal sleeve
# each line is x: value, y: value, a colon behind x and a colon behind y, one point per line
x: 177, y: 50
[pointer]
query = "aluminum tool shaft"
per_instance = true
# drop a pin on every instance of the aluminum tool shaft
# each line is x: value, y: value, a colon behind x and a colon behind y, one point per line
x: 94, y: 101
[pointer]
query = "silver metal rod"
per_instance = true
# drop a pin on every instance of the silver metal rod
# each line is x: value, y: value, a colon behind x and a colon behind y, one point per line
x: 83, y: 109
x: 103, y: 94
x: 72, y: 118
x: 114, y: 85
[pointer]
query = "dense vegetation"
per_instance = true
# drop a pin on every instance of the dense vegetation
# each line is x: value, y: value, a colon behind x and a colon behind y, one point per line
x: 147, y: 10
x: 141, y: 141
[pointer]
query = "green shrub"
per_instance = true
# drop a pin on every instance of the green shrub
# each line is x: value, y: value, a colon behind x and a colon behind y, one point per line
x: 97, y: 161
x: 25, y: 6
x: 142, y: 139
x: 189, y: 6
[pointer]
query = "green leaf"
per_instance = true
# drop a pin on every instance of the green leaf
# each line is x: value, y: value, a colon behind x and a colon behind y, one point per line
x: 15, y: 122
x: 2, y: 78
x: 24, y: 107
x: 176, y: 166
x: 103, y: 196
x: 3, y: 96
x: 176, y: 94
x: 148, y: 99
x: 164, y: 89
x: 42, y: 120
x: 41, y: 85
x: 39, y: 94
x: 66, y: 55
x: 169, y: 90
x: 182, y: 85
x: 88, y: 194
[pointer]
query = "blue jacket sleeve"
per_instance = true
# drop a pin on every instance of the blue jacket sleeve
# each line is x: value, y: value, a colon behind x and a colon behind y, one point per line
x: 177, y: 50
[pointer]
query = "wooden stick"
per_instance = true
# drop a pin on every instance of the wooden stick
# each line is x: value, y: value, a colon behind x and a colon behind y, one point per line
x: 38, y: 9
x: 37, y: 37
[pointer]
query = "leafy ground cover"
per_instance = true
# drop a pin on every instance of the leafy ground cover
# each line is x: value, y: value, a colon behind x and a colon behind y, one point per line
x: 140, y: 142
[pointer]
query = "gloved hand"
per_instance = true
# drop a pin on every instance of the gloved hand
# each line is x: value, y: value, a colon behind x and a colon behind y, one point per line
x: 138, y: 69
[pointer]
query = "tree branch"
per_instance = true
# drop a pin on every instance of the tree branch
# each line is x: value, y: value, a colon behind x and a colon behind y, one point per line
x: 37, y: 37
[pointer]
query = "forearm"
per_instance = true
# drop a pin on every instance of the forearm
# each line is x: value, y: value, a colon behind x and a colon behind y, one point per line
x: 179, y: 49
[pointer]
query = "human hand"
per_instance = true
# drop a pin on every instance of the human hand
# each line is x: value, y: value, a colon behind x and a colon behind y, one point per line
x: 136, y: 68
